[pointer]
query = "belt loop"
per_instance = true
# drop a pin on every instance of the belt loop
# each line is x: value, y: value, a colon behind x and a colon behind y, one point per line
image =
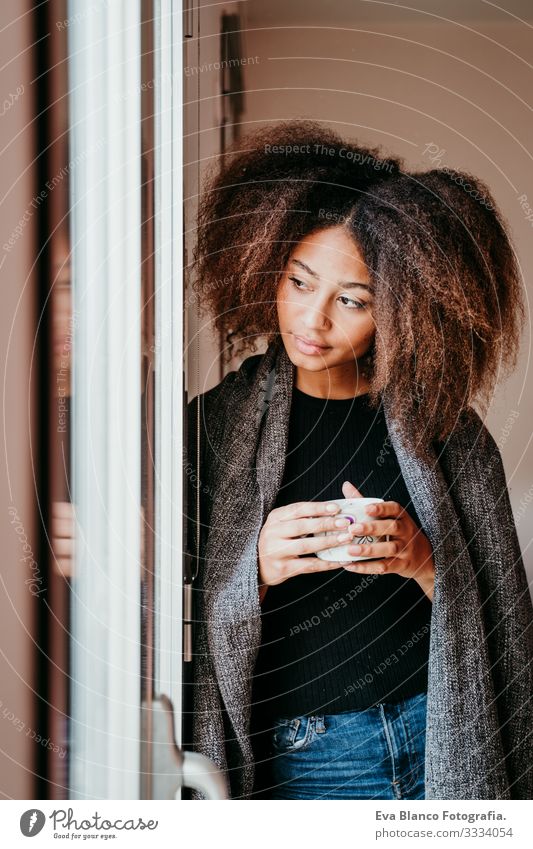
x: 320, y: 728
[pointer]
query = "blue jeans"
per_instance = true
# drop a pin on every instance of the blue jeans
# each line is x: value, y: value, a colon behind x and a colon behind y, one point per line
x: 377, y: 753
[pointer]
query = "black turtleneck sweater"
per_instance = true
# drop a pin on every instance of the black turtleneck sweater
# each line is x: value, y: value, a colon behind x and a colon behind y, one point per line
x: 339, y: 641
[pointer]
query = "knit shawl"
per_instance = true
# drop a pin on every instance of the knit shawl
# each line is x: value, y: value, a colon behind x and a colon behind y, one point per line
x: 479, y: 742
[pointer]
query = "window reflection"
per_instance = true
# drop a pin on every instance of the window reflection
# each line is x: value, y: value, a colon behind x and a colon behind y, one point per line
x: 61, y: 332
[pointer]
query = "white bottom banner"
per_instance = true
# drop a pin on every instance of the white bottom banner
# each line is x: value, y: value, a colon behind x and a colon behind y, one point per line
x: 259, y: 823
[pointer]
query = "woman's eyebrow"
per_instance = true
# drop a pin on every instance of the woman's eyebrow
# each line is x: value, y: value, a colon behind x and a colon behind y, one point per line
x: 351, y: 284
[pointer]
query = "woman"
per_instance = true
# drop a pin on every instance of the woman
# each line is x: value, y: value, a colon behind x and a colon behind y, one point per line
x: 347, y: 682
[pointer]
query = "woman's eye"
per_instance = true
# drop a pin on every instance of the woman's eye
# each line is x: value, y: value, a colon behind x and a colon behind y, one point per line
x: 355, y: 305
x: 295, y: 281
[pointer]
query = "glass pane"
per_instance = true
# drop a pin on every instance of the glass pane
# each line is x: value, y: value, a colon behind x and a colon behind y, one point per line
x: 62, y: 328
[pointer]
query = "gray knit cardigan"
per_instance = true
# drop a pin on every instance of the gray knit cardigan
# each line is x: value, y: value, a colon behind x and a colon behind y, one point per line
x: 479, y: 735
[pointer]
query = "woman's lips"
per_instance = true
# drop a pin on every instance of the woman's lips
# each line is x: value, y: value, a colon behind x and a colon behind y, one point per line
x: 306, y: 348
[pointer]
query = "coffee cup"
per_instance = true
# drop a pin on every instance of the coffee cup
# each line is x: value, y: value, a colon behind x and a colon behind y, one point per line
x: 355, y: 510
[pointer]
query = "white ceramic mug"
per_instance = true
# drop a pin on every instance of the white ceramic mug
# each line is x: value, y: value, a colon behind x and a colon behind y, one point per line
x: 354, y: 509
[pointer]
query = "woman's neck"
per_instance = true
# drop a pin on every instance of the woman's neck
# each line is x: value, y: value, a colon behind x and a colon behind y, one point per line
x: 326, y: 384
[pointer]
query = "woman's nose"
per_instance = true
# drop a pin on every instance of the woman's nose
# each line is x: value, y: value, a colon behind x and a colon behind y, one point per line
x: 316, y: 318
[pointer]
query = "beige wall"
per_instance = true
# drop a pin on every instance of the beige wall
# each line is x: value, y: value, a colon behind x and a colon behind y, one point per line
x: 204, y: 112
x: 466, y: 87
x: 17, y: 318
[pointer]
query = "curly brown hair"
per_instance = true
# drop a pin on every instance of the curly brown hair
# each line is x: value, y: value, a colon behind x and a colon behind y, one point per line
x: 448, y: 301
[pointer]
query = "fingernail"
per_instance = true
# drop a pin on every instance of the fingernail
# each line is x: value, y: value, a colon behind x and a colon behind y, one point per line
x: 343, y: 537
x: 341, y: 523
x: 358, y: 527
x: 332, y: 507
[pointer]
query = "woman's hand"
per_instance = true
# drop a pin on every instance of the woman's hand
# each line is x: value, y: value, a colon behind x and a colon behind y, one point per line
x: 408, y: 551
x: 62, y: 536
x: 284, y: 537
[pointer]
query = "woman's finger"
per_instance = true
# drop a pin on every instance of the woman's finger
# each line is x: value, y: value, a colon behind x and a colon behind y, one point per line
x: 63, y: 509
x: 374, y: 567
x: 349, y: 490
x: 302, y: 509
x: 377, y: 549
x: 385, y: 509
x: 63, y: 546
x: 310, y: 545
x: 379, y: 527
x: 307, y: 526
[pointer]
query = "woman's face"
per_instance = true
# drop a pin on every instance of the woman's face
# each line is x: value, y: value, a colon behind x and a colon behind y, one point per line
x: 325, y: 295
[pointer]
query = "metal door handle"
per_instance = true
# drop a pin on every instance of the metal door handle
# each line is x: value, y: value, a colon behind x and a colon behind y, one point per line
x: 200, y: 773
x: 170, y: 767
